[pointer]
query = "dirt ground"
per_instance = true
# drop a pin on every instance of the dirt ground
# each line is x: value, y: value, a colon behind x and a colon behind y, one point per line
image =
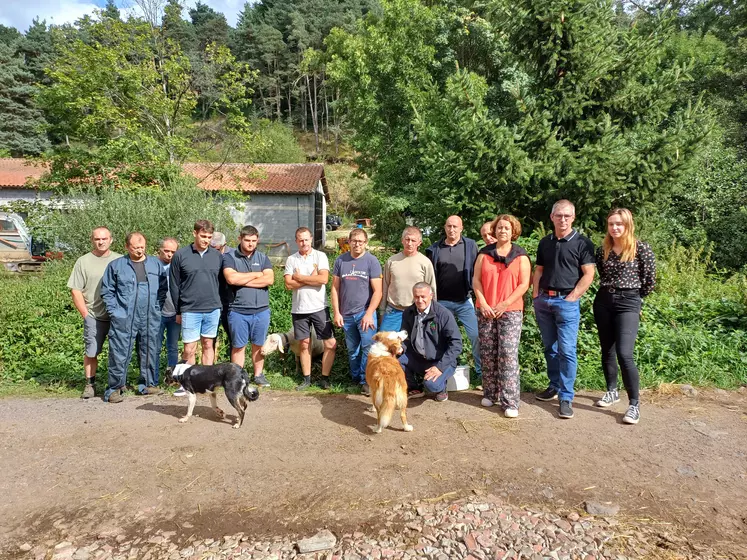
x: 73, y: 467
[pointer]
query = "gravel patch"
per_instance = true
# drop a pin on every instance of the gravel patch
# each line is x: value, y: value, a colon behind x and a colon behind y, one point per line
x: 477, y: 528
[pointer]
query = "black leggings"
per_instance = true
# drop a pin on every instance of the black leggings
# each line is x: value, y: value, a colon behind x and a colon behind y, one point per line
x: 617, y: 316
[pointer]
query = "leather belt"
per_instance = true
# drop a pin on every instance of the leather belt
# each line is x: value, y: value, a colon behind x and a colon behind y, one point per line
x: 613, y: 290
x: 556, y: 293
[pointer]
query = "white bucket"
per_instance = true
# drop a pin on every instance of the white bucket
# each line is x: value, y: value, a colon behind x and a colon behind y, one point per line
x: 460, y: 380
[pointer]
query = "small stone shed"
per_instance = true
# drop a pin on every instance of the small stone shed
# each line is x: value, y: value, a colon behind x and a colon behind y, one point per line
x: 280, y: 197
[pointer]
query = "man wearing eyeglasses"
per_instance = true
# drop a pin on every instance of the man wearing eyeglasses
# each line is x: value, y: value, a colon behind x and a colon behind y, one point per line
x: 356, y: 293
x: 564, y: 271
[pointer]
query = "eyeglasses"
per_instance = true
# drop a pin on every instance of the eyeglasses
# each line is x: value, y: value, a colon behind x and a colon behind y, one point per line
x: 563, y: 216
x: 357, y: 241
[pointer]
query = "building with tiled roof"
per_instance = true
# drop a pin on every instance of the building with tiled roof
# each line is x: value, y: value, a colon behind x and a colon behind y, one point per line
x: 280, y: 197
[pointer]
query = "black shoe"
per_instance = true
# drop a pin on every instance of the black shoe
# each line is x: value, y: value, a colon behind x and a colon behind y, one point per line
x: 261, y: 381
x: 305, y: 385
x: 365, y: 390
x: 548, y: 394
x: 324, y: 382
x: 566, y: 410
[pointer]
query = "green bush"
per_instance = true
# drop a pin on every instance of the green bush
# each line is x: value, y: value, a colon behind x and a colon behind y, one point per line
x: 693, y: 331
x: 708, y: 206
x: 157, y: 212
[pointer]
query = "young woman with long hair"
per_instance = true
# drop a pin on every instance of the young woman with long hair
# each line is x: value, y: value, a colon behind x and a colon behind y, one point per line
x: 627, y: 272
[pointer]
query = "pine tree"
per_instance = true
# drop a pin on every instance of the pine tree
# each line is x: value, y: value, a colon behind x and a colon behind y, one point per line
x: 21, y: 122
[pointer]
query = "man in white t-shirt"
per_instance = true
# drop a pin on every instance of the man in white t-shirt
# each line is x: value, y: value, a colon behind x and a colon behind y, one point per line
x: 307, y: 274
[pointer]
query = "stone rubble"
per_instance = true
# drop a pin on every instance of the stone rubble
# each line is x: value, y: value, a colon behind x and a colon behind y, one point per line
x: 477, y: 528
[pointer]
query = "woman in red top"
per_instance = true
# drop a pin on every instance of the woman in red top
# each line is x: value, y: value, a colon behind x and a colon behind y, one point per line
x: 502, y: 276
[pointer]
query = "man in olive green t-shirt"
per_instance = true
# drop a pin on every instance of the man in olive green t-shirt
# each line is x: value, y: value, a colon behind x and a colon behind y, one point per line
x: 85, y: 287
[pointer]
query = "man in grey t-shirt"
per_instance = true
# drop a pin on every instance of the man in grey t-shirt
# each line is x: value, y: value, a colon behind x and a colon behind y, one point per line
x: 85, y: 288
x: 356, y: 294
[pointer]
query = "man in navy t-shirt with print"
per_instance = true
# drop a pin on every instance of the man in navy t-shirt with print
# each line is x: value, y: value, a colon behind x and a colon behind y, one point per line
x: 248, y: 274
x: 356, y: 294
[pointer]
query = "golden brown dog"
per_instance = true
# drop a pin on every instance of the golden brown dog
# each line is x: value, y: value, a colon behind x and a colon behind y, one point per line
x: 386, y: 379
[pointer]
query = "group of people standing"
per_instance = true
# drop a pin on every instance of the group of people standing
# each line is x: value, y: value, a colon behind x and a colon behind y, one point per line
x: 136, y: 299
x: 192, y: 290
x: 426, y: 295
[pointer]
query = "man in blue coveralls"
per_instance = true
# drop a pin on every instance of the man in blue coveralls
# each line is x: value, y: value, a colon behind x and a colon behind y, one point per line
x: 134, y: 290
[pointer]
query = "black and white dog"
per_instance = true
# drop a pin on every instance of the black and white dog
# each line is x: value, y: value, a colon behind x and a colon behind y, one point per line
x: 205, y: 379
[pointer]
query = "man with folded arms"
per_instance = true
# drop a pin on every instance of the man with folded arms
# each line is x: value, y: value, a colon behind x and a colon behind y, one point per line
x: 249, y: 275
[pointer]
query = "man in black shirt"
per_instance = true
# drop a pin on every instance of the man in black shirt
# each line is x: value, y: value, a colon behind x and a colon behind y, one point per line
x: 194, y: 290
x: 453, y: 259
x: 564, y: 271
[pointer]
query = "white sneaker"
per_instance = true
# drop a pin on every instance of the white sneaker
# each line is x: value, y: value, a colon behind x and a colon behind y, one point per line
x: 511, y: 413
x: 180, y: 392
x: 486, y: 402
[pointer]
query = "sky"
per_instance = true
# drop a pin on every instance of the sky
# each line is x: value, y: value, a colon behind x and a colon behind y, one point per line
x: 20, y: 13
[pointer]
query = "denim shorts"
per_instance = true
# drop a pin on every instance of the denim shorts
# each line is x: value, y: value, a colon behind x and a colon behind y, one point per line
x: 246, y: 328
x: 196, y: 325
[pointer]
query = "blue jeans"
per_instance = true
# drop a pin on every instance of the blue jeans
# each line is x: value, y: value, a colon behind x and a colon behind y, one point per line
x: 465, y: 313
x: 391, y: 321
x: 558, y: 322
x: 172, y: 330
x: 415, y: 366
x: 359, y: 343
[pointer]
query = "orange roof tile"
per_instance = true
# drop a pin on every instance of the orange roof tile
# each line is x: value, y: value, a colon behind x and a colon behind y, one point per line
x: 270, y: 178
x: 282, y: 178
x: 15, y: 171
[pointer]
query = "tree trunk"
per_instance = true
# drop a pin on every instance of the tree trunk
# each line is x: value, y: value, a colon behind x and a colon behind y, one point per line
x: 336, y: 124
x: 305, y: 118
x: 290, y: 104
x: 313, y: 109
x: 279, y: 91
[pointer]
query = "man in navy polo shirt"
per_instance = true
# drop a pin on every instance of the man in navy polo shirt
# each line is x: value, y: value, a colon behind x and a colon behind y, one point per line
x: 356, y: 294
x: 248, y: 273
x: 564, y: 271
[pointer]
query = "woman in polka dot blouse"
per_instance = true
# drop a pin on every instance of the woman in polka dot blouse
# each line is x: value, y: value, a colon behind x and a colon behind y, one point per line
x: 627, y: 271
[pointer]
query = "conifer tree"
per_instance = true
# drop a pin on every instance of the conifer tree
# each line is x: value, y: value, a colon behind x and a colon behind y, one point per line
x: 21, y: 122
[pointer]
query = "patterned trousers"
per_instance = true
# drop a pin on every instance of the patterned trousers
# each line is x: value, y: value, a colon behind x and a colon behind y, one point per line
x: 499, y: 352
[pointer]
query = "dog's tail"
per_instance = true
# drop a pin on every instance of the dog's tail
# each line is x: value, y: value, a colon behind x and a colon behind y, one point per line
x: 386, y: 408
